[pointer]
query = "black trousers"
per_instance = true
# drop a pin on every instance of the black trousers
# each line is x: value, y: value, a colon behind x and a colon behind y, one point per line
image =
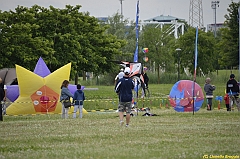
x: 1, y: 113
x: 209, y: 103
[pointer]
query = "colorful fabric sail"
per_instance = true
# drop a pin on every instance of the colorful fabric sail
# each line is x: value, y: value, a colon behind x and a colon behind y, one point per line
x: 181, y: 96
x: 145, y: 50
x: 38, y: 92
x: 145, y: 59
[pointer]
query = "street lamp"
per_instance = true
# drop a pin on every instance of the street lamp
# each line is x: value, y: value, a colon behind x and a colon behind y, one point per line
x: 121, y: 7
x: 178, y: 50
x: 215, y: 4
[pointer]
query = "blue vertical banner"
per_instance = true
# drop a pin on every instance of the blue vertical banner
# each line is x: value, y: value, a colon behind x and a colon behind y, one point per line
x: 196, y: 54
x: 195, y: 69
x: 135, y: 58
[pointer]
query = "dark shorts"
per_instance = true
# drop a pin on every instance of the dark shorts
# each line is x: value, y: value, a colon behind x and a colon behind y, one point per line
x: 125, y: 107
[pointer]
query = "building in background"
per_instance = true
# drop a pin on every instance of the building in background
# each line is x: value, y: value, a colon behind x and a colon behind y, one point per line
x: 211, y: 27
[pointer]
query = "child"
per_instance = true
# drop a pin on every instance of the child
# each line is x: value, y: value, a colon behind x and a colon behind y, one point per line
x: 208, y: 88
x: 78, y: 98
x: 226, y: 98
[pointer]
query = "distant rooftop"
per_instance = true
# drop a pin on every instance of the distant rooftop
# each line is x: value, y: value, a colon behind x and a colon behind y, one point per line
x: 163, y: 18
x: 103, y: 19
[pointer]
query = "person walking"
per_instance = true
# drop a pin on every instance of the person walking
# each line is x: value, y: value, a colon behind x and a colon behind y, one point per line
x: 78, y: 99
x: 232, y: 89
x: 65, y: 95
x: 208, y: 88
x: 124, y: 89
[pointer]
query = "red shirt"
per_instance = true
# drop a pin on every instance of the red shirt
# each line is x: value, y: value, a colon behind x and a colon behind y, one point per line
x: 226, y: 98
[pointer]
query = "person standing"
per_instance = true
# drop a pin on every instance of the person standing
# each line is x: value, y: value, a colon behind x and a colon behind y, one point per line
x: 119, y: 75
x: 232, y: 89
x: 208, y: 88
x: 78, y: 99
x: 145, y: 76
x: 1, y: 99
x: 4, y: 87
x: 124, y: 89
x: 65, y: 95
x: 226, y: 99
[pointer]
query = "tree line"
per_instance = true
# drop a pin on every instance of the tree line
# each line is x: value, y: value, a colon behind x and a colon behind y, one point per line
x: 66, y: 35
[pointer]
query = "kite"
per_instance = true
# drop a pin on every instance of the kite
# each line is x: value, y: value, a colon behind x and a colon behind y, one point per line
x: 38, y: 91
x: 181, y: 96
x: 145, y: 50
x: 145, y: 59
x: 42, y: 70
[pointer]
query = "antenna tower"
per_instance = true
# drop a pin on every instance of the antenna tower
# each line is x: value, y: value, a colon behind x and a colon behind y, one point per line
x: 196, y: 14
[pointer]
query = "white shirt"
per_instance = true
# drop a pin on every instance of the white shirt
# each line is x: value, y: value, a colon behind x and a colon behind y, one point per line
x: 119, y: 76
x: 4, y: 87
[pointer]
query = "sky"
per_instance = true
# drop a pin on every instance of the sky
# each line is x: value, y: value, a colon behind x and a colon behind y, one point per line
x: 148, y: 8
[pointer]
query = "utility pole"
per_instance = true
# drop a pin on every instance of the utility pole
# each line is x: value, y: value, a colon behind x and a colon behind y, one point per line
x: 215, y: 4
x: 121, y: 7
x: 178, y: 53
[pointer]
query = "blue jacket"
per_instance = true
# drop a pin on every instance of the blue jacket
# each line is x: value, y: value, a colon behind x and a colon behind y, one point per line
x: 65, y: 94
x: 124, y: 88
x: 78, y: 97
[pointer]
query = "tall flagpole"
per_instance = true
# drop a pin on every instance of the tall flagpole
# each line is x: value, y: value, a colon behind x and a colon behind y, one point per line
x: 195, y: 68
x: 135, y: 58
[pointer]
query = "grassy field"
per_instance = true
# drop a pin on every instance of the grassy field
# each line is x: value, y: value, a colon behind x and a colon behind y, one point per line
x: 106, y: 98
x: 98, y: 135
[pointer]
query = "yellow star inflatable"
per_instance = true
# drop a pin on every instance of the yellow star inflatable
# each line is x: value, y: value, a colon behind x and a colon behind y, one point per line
x: 39, y: 95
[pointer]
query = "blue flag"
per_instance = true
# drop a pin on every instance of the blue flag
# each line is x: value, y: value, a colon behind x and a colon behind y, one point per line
x: 196, y: 54
x: 135, y: 58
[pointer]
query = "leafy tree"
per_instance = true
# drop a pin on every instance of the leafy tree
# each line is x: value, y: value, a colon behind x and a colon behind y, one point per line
x: 229, y: 43
x: 206, y: 54
x: 59, y: 36
x: 18, y: 45
x: 157, y: 41
x: 124, y: 30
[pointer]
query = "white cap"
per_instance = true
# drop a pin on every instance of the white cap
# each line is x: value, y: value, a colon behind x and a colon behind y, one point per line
x: 127, y: 70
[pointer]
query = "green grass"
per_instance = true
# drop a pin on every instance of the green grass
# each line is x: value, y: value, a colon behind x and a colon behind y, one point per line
x: 106, y: 98
x: 170, y: 135
x: 98, y: 135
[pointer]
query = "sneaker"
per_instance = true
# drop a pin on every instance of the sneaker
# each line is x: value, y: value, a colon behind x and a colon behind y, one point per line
x: 127, y: 125
x: 121, y: 123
